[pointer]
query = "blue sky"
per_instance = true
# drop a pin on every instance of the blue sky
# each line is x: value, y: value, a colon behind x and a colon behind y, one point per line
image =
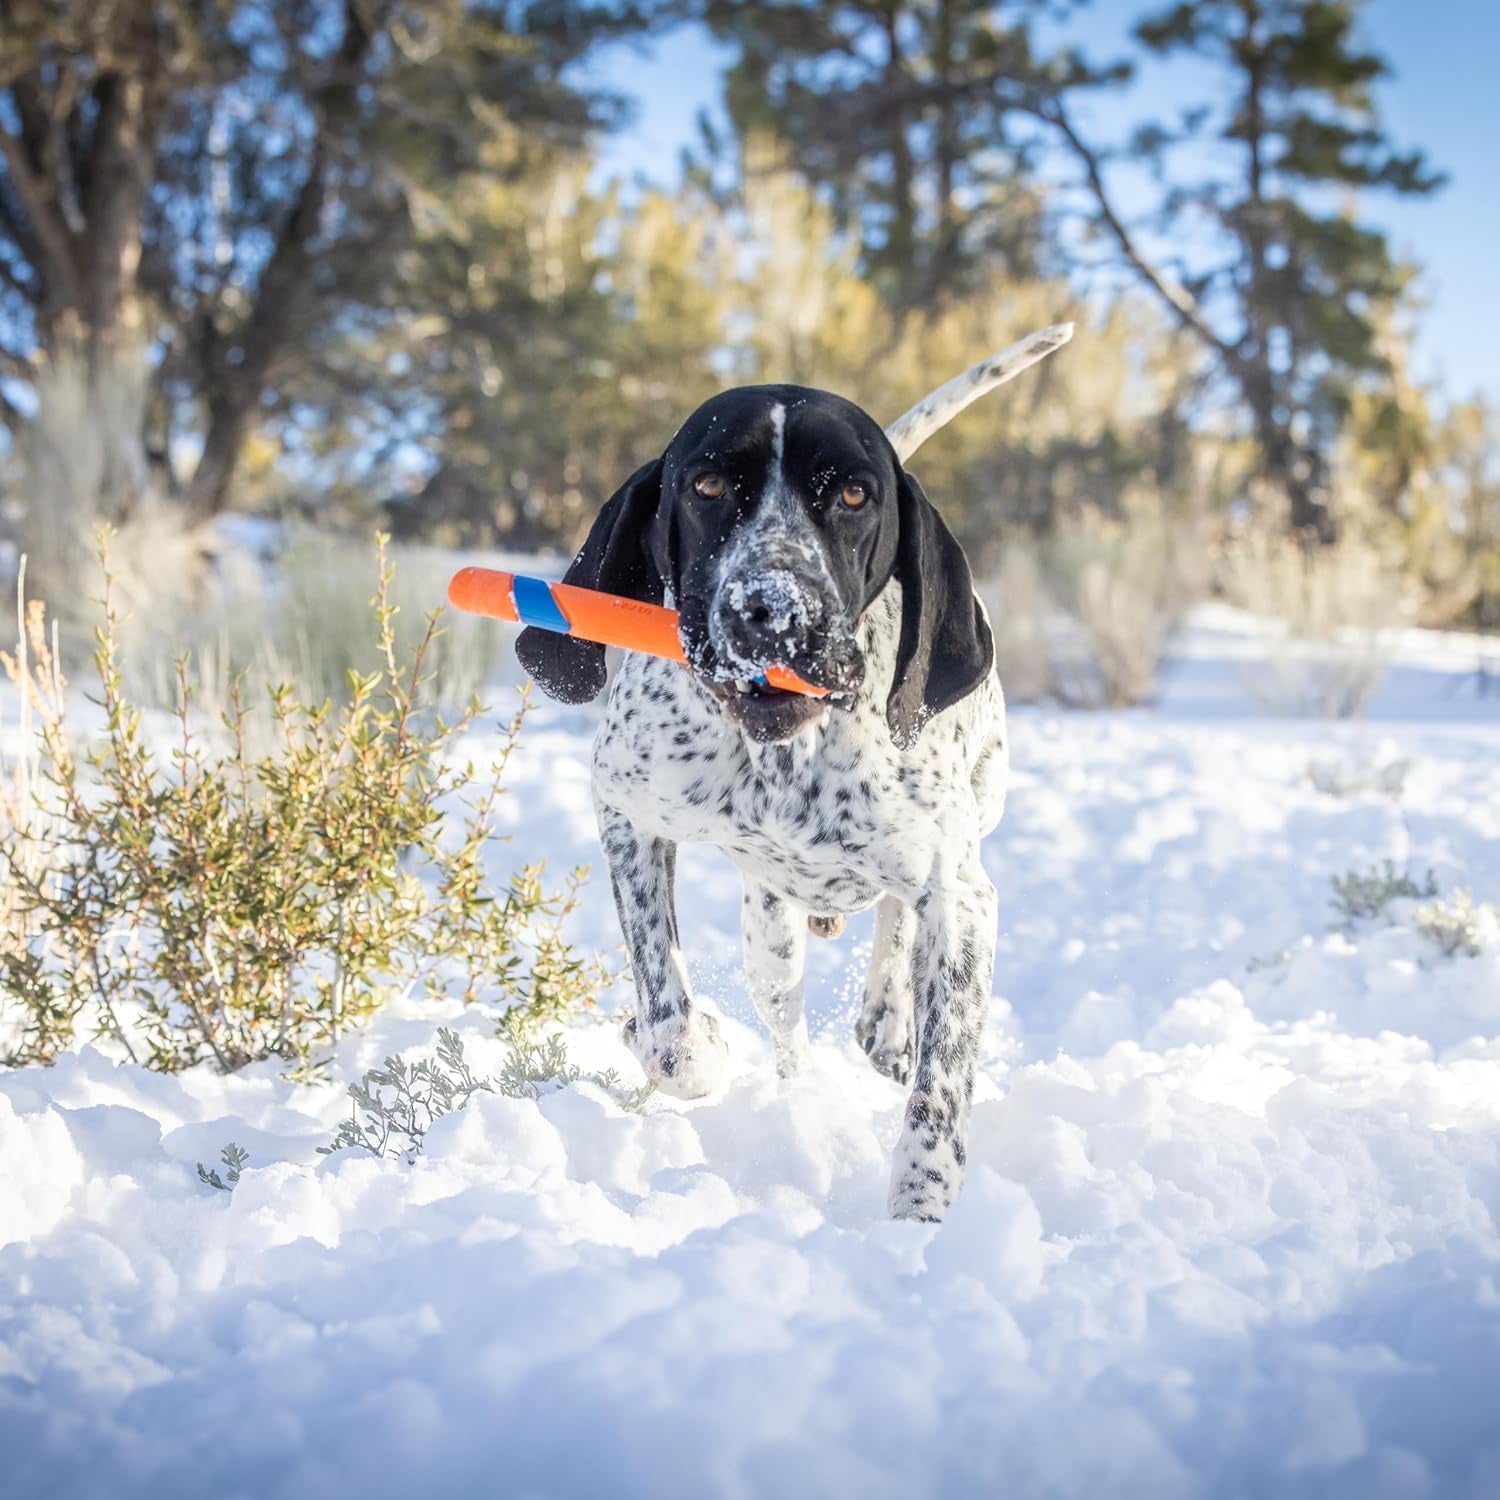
x: 1442, y: 96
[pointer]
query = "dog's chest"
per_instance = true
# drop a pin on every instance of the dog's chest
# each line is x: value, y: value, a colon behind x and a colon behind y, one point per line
x: 829, y: 819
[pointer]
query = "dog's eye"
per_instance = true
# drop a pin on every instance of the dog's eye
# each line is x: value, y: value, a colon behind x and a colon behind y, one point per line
x: 710, y: 486
x: 854, y: 494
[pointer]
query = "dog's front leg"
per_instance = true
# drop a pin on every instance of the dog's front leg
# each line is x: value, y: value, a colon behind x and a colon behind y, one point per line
x: 679, y: 1047
x: 774, y: 935
x: 952, y: 967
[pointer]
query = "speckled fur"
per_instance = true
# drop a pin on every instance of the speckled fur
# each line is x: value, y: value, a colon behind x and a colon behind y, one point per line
x: 830, y: 822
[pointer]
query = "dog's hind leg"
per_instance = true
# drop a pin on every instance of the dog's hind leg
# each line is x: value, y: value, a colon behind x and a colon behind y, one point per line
x: 679, y: 1047
x: 774, y: 934
x: 885, y: 1028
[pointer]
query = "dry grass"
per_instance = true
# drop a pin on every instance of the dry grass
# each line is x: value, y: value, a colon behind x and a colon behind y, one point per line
x: 1018, y: 606
x: 1087, y: 615
x: 28, y: 807
x: 1333, y: 609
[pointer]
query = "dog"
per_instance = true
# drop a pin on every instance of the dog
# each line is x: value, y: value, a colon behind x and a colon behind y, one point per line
x: 782, y: 524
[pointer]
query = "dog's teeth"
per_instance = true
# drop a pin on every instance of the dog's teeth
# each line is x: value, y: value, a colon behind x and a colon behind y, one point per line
x: 742, y: 684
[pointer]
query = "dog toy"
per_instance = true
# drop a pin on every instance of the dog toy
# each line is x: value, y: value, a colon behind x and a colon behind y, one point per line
x: 608, y: 619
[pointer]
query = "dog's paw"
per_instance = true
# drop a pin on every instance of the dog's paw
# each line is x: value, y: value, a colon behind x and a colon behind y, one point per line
x: 791, y: 1051
x: 887, y: 1034
x: 928, y: 1168
x: 684, y: 1058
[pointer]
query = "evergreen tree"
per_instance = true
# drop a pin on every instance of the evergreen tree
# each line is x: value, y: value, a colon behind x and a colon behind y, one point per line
x: 1295, y: 286
x: 904, y: 114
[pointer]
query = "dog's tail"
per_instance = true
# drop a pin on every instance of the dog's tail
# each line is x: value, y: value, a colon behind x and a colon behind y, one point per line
x: 908, y: 432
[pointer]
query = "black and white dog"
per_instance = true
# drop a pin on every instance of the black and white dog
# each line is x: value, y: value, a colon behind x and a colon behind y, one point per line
x: 783, y: 526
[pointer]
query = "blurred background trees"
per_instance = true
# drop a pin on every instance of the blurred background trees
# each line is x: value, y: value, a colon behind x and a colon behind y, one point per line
x: 354, y: 262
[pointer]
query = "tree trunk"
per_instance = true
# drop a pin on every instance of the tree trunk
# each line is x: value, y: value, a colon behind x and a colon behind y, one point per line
x: 282, y: 297
x: 84, y: 449
x: 902, y: 240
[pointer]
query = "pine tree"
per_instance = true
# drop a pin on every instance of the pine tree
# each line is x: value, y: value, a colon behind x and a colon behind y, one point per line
x: 903, y: 113
x: 1295, y: 286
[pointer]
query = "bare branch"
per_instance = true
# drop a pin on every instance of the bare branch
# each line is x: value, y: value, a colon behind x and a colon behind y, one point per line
x: 286, y: 278
x: 42, y: 219
x: 1178, y: 299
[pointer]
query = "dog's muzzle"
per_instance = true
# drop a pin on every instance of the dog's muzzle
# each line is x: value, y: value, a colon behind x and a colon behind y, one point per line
x: 771, y: 617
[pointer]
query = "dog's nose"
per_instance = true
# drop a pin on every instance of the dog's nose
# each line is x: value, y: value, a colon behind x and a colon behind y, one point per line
x: 762, y: 615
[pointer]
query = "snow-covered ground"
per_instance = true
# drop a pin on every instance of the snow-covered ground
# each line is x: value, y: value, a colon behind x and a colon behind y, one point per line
x: 1229, y: 1228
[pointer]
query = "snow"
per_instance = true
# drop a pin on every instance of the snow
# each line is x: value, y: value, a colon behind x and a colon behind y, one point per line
x: 1229, y: 1227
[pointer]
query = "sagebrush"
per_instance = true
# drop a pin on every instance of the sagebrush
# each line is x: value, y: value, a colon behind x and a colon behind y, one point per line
x: 207, y: 903
x: 395, y: 1105
x: 233, y: 1159
x: 1359, y: 894
x: 1459, y: 924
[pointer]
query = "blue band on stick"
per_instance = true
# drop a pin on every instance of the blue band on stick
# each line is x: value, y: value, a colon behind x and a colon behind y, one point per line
x: 536, y: 606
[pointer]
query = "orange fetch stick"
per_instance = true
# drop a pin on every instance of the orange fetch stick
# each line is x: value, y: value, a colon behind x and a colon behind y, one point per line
x: 608, y: 619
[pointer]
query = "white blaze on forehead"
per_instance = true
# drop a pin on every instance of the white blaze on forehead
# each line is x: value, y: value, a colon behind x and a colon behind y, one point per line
x: 778, y: 439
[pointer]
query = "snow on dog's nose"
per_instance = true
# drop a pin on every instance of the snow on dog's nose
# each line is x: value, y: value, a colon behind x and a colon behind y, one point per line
x: 766, y: 618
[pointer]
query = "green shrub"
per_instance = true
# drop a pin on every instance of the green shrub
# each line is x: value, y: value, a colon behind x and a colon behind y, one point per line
x: 1455, y: 924
x: 218, y: 904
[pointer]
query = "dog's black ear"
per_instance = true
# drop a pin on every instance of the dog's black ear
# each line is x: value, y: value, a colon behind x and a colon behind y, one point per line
x: 619, y: 557
x: 946, y: 649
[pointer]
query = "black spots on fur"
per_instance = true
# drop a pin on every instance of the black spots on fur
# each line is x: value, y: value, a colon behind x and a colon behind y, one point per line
x: 961, y: 970
x: 769, y: 900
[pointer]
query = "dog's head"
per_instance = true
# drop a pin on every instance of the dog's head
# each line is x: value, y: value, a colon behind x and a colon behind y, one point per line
x: 772, y: 522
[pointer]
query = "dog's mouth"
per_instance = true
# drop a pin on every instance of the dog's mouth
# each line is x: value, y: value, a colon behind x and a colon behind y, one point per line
x: 745, y: 683
x: 758, y: 690
x: 737, y: 681
x: 765, y: 714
